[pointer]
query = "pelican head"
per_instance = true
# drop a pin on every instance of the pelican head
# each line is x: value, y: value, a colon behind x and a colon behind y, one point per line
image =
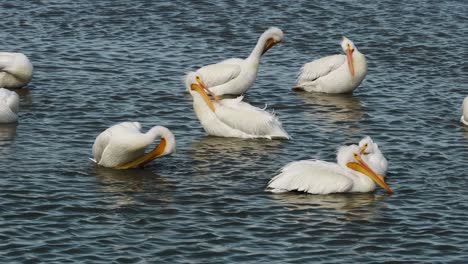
x: 349, y: 157
x: 271, y: 37
x: 349, y: 48
x: 366, y: 145
x: 198, y: 88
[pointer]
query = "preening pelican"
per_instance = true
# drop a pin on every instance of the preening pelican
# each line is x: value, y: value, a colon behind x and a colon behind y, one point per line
x: 9, y: 106
x: 349, y: 174
x: 122, y: 146
x: 372, y: 155
x: 464, y: 117
x: 334, y: 74
x: 235, y: 76
x: 232, y: 117
x: 15, y: 70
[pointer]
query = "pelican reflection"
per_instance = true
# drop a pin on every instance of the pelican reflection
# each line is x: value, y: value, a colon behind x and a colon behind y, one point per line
x: 336, y: 108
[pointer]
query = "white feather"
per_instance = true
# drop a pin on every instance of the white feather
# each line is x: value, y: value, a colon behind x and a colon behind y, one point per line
x: 320, y: 177
x: 234, y: 76
x: 320, y: 68
x: 373, y: 156
x: 15, y: 70
x: 249, y: 119
x: 464, y: 117
x: 9, y: 106
x: 331, y: 74
x: 124, y: 142
x: 311, y: 176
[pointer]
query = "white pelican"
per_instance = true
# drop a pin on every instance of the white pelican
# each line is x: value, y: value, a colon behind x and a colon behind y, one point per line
x: 15, y: 70
x: 122, y: 146
x: 334, y: 74
x: 464, y: 117
x: 9, y: 106
x: 235, y: 76
x: 232, y: 117
x: 349, y: 174
x: 372, y: 155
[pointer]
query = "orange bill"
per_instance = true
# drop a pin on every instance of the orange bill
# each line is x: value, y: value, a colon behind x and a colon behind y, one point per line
x: 362, y: 167
x: 349, y: 56
x: 202, y: 85
x: 197, y: 88
x: 146, y: 158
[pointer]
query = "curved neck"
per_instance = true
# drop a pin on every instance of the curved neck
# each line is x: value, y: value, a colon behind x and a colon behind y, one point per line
x: 256, y: 53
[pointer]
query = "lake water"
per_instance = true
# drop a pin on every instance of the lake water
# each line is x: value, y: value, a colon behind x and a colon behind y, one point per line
x: 102, y: 62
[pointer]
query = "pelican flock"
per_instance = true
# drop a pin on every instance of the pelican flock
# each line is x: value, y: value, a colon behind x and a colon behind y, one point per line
x: 336, y: 73
x: 359, y: 168
x: 15, y: 70
x: 464, y: 117
x: 350, y: 174
x: 235, y: 76
x: 123, y: 145
x: 9, y: 106
x: 232, y: 117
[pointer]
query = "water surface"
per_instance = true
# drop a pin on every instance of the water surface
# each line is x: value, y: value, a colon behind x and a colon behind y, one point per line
x: 102, y: 62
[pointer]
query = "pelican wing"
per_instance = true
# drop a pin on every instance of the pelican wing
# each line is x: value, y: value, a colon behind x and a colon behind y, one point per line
x: 116, y: 131
x: 311, y: 176
x: 217, y: 74
x: 249, y: 119
x: 9, y: 98
x: 321, y: 67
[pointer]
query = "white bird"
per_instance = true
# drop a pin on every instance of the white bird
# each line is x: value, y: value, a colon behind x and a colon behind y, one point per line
x: 9, y: 106
x: 372, y: 155
x: 235, y: 76
x: 233, y: 117
x: 349, y: 174
x: 15, y: 70
x: 122, y: 146
x: 334, y: 74
x: 464, y: 117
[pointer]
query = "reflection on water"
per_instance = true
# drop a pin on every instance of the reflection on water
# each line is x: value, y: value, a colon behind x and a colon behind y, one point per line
x: 7, y: 136
x: 123, y: 183
x: 340, y: 107
x: 352, y: 205
x: 210, y: 151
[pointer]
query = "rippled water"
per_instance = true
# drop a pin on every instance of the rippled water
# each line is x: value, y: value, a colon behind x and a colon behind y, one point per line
x: 102, y: 62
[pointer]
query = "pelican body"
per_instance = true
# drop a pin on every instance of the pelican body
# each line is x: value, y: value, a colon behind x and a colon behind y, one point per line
x: 235, y: 76
x: 233, y: 117
x: 349, y: 174
x: 464, y: 117
x: 9, y: 106
x: 15, y: 70
x: 334, y: 74
x: 122, y: 146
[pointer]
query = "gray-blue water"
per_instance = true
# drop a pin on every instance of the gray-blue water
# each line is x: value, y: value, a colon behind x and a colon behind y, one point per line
x: 102, y: 62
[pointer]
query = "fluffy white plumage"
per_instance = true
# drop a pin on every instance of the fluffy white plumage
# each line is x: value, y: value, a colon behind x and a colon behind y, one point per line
x: 124, y: 142
x: 332, y: 74
x: 373, y: 156
x: 464, y: 117
x: 321, y: 177
x: 15, y: 70
x: 9, y: 106
x: 235, y: 118
x: 235, y: 76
